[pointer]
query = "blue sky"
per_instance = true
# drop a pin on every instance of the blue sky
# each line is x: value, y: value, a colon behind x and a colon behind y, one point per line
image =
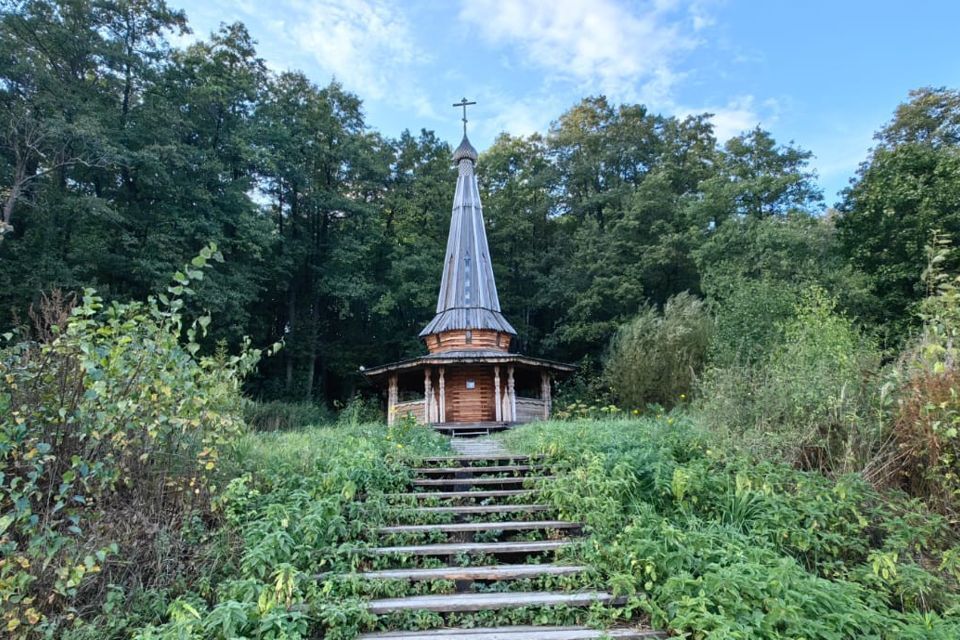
x: 824, y: 74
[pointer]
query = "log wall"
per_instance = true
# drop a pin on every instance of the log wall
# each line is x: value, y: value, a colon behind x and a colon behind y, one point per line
x: 529, y: 409
x: 414, y: 407
x: 457, y: 341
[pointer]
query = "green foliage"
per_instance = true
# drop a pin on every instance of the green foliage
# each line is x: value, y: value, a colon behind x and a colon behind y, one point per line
x: 809, y: 401
x: 755, y: 271
x: 300, y: 503
x: 277, y: 415
x: 909, y: 187
x: 655, y: 358
x: 112, y: 414
x: 926, y: 419
x: 716, y: 544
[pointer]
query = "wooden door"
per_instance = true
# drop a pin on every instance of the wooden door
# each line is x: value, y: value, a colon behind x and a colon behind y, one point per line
x: 470, y: 394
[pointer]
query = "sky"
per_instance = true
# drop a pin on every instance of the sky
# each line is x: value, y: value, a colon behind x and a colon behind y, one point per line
x: 823, y: 74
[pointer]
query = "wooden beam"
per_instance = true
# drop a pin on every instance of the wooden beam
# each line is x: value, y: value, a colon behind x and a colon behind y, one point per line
x: 427, y: 394
x: 491, y: 572
x: 512, y: 394
x: 545, y: 394
x: 392, y: 396
x: 489, y: 601
x: 496, y: 393
x: 443, y: 397
x: 472, y: 548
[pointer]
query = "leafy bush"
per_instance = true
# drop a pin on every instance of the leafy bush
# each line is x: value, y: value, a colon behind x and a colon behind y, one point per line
x: 810, y: 401
x: 278, y: 415
x: 715, y: 544
x: 749, y: 320
x: 926, y: 420
x: 111, y: 432
x: 359, y: 410
x: 301, y: 502
x: 654, y: 358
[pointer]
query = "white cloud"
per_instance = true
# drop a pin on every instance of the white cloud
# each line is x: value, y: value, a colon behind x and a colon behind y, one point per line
x: 366, y: 44
x: 737, y: 115
x: 599, y: 44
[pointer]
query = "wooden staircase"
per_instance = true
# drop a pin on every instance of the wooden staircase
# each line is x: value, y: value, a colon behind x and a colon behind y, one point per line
x: 478, y: 517
x: 469, y: 429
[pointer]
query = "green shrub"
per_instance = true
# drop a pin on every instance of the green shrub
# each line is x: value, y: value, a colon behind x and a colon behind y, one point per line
x: 111, y: 433
x: 278, y: 415
x: 809, y: 401
x: 749, y: 320
x: 654, y: 358
x: 359, y: 410
x: 926, y: 420
x: 716, y: 544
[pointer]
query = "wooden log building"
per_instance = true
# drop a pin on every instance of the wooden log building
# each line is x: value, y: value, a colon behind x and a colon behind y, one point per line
x: 470, y: 382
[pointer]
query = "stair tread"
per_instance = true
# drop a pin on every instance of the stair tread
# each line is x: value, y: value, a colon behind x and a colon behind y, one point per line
x: 482, y: 508
x: 493, y: 493
x: 517, y: 633
x: 513, y: 525
x: 489, y: 601
x: 454, y: 548
x: 490, y: 572
x: 442, y: 482
x: 499, y: 468
x: 491, y: 457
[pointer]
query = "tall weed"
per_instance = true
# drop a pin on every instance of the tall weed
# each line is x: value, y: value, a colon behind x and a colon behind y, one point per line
x: 655, y: 358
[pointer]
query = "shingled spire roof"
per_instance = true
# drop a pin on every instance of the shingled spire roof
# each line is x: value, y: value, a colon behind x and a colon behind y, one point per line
x: 468, y: 294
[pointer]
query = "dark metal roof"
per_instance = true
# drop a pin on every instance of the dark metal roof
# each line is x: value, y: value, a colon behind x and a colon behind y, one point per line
x: 486, y: 356
x: 468, y: 294
x: 469, y: 318
x: 465, y: 150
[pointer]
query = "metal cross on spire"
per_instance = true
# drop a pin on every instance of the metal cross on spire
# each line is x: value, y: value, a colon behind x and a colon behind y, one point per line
x: 463, y: 103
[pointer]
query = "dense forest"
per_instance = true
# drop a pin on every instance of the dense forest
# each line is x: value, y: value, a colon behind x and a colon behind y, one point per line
x: 121, y: 156
x: 197, y: 254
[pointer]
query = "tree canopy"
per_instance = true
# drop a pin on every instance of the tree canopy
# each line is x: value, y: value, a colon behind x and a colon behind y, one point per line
x: 122, y: 155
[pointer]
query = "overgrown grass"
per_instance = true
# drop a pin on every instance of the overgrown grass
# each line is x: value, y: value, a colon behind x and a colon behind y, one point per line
x: 721, y: 545
x: 299, y: 503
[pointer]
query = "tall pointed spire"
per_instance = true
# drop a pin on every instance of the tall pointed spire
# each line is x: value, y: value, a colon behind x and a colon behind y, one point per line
x: 468, y: 293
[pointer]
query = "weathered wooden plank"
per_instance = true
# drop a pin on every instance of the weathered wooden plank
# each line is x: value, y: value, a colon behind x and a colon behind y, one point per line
x: 442, y: 482
x: 494, y: 572
x: 498, y: 468
x: 476, y: 495
x: 481, y: 509
x: 466, y: 527
x: 490, y: 601
x: 474, y: 458
x: 471, y: 548
x: 518, y: 633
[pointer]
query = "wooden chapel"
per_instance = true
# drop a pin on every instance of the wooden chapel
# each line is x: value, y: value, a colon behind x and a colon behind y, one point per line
x: 469, y: 382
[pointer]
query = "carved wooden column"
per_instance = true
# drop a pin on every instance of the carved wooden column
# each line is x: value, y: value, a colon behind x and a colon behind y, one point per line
x: 496, y: 393
x: 443, y: 398
x: 545, y: 394
x: 512, y: 394
x: 392, y: 395
x: 427, y: 395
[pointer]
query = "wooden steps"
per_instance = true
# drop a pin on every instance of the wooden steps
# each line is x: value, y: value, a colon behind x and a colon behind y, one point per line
x: 476, y: 482
x: 498, y: 468
x: 467, y: 460
x: 471, y: 548
x: 475, y: 490
x: 492, y: 572
x: 473, y: 527
x: 517, y: 633
x: 473, y: 495
x: 449, y: 603
x: 469, y: 429
x: 464, y: 510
